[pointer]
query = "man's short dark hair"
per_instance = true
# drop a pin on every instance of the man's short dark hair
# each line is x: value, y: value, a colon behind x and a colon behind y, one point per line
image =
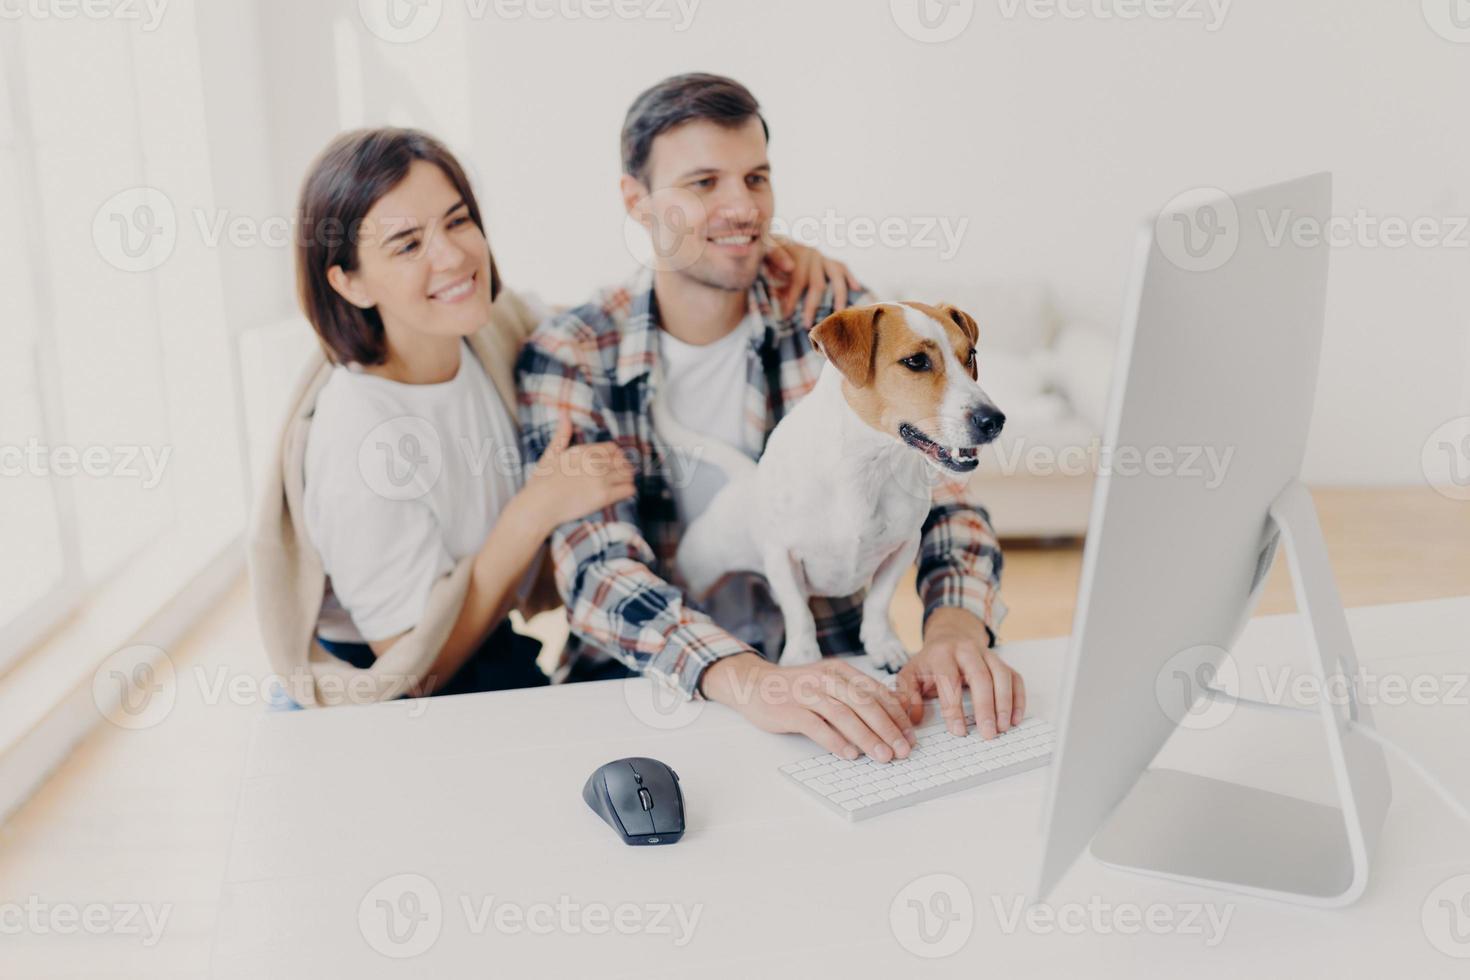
x: 678, y: 100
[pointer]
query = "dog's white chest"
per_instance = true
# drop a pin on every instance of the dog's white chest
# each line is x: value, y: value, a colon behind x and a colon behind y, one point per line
x: 842, y: 544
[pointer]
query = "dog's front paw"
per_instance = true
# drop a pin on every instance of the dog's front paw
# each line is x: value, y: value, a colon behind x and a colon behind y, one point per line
x: 886, y: 651
x: 799, y: 651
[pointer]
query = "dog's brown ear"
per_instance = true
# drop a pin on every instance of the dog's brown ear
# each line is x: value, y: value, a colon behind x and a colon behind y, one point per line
x: 963, y: 320
x: 849, y: 339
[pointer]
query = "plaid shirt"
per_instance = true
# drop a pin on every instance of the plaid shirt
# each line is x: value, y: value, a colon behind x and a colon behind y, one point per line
x: 596, y: 363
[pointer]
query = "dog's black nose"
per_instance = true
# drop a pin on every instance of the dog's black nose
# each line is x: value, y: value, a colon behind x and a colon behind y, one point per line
x: 987, y: 423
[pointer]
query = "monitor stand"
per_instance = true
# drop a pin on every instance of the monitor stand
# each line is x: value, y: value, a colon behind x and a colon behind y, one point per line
x: 1208, y: 831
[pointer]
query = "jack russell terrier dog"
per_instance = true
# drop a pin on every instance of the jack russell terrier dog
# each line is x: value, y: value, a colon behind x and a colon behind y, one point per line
x: 839, y: 497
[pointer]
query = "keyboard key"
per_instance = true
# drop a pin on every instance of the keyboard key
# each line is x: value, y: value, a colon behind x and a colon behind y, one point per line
x: 940, y: 764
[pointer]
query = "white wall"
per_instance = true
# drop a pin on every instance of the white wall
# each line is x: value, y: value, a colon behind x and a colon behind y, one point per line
x: 1048, y: 139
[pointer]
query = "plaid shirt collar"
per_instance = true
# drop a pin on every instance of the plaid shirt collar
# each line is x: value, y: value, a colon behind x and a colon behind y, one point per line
x: 638, y: 344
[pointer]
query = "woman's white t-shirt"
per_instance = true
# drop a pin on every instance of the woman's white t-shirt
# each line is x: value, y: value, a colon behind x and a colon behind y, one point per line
x: 402, y: 481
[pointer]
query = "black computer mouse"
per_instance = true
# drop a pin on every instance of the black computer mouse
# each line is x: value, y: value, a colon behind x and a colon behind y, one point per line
x: 639, y: 798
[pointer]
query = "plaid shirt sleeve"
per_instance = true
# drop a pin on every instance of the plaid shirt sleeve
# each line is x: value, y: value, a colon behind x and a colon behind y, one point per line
x: 602, y: 562
x: 960, y: 559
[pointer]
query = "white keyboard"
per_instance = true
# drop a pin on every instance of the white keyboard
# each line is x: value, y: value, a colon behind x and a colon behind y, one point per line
x: 940, y: 764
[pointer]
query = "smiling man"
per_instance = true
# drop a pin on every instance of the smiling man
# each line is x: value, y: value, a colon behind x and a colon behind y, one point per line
x: 699, y: 330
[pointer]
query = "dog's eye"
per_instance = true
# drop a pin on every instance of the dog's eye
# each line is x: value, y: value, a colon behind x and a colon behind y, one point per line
x: 970, y: 359
x: 918, y: 362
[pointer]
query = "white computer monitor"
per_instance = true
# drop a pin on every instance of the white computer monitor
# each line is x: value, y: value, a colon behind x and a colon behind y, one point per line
x: 1221, y: 333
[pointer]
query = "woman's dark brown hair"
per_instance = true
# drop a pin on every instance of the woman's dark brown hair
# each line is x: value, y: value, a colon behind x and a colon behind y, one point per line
x: 353, y: 172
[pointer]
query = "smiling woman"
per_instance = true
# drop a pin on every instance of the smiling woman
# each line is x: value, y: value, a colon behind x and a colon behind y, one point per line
x: 411, y: 531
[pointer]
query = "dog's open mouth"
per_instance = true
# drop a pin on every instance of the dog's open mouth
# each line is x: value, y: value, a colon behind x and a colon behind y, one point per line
x: 961, y: 460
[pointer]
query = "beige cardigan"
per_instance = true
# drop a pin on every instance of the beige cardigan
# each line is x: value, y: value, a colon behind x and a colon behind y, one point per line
x: 286, y: 573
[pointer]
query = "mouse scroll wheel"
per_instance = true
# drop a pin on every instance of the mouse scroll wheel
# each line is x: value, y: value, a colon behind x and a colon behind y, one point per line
x: 645, y: 798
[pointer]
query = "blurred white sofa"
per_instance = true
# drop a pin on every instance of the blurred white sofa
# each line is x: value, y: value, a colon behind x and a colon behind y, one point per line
x: 1049, y: 373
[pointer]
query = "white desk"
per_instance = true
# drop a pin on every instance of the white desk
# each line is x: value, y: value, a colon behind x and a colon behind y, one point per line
x: 481, y: 796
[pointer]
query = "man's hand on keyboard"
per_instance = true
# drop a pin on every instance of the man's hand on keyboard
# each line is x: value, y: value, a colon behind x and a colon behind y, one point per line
x: 834, y: 704
x: 955, y: 656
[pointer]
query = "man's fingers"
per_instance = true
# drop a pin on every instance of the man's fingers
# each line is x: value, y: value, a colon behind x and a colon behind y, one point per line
x: 786, y: 297
x: 951, y: 697
x: 853, y: 728
x: 837, y: 276
x: 1018, y: 698
x: 1003, y: 679
x: 850, y: 679
x: 880, y: 711
x: 909, y: 695
x: 982, y: 690
x: 815, y: 728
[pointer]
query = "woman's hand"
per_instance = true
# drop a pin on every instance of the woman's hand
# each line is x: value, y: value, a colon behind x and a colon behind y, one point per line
x: 573, y: 481
x: 797, y: 269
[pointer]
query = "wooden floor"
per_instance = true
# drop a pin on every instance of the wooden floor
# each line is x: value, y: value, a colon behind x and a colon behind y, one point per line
x: 144, y: 817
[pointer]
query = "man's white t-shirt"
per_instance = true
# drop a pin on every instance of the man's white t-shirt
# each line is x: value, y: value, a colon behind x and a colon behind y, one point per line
x: 402, y: 481
x: 704, y: 388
